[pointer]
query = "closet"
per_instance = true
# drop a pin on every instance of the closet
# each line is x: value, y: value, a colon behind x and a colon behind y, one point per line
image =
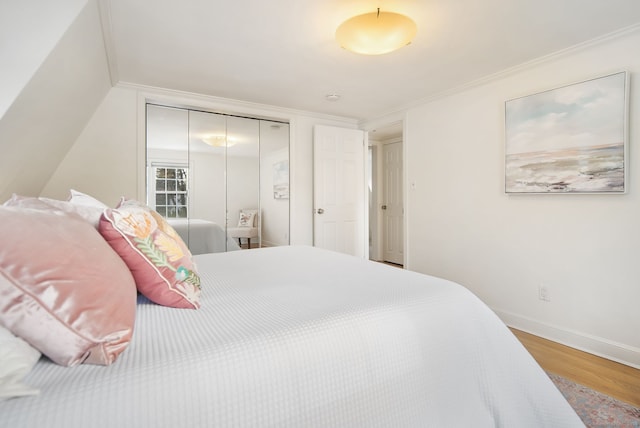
x: 222, y: 181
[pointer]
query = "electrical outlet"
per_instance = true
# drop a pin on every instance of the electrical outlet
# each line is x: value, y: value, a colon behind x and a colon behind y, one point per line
x: 543, y: 293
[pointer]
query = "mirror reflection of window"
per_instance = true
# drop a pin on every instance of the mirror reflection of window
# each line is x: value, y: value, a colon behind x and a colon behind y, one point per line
x: 171, y: 195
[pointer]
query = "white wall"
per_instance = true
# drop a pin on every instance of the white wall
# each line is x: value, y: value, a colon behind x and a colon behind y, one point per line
x: 107, y: 160
x: 243, y: 186
x: 29, y: 30
x: 584, y: 248
x: 53, y: 107
x: 275, y: 212
x: 208, y: 192
x: 103, y: 161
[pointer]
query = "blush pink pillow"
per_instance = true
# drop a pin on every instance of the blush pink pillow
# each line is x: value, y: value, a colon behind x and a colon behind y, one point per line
x: 159, y: 260
x: 62, y: 288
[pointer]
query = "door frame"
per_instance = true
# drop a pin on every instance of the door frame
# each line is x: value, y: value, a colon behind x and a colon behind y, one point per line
x: 383, y: 217
x: 377, y: 181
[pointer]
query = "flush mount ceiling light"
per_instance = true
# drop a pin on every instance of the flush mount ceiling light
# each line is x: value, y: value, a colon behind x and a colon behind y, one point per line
x: 376, y: 33
x: 218, y: 141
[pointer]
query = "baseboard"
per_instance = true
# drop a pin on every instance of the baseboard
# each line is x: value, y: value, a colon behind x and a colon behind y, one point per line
x: 266, y: 243
x: 604, y: 348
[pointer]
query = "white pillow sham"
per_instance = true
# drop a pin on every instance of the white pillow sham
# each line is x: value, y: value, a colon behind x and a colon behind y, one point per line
x: 17, y: 358
x: 87, y: 207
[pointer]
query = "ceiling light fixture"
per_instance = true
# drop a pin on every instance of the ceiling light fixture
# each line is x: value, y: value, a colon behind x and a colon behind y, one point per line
x: 218, y: 141
x: 376, y: 33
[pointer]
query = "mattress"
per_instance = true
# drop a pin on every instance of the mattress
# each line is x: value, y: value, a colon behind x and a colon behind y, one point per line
x: 202, y: 236
x: 303, y: 337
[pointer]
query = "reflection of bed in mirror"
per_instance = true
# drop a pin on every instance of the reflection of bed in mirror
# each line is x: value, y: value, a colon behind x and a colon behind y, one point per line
x: 202, y: 236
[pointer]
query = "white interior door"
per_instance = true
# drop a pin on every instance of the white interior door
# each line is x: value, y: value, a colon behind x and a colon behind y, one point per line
x: 339, y: 222
x: 392, y: 206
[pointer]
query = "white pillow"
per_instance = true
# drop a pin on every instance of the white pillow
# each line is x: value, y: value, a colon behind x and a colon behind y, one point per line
x: 87, y: 207
x: 17, y: 358
x: 79, y: 198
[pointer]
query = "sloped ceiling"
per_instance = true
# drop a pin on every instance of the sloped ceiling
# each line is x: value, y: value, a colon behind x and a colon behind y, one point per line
x: 22, y: 47
x: 283, y: 52
x: 45, y: 119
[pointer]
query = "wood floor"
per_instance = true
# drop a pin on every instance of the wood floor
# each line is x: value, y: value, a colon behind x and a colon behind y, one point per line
x: 391, y: 264
x: 606, y: 376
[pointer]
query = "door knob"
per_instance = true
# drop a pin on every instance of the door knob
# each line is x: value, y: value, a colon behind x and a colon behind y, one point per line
x: 384, y: 207
x: 320, y: 211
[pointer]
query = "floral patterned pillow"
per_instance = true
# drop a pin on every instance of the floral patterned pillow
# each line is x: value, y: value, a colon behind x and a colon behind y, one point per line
x: 246, y: 219
x: 159, y: 260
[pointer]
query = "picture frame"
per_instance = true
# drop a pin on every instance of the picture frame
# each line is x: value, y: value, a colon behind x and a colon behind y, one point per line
x: 571, y: 139
x: 281, y: 180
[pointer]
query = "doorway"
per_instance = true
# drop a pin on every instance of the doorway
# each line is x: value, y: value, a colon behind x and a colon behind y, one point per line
x: 386, y: 194
x: 338, y: 190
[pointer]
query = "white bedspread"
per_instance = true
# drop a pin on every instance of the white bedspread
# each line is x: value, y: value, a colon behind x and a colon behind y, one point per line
x: 302, y: 337
x: 202, y: 236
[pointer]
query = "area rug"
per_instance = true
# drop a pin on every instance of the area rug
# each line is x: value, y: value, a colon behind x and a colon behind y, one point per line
x: 597, y: 410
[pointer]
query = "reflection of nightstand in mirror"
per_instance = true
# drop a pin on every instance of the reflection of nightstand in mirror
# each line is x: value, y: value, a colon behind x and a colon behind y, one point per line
x: 247, y: 227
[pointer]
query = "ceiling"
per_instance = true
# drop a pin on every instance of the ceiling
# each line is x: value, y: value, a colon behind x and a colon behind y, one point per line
x: 283, y: 52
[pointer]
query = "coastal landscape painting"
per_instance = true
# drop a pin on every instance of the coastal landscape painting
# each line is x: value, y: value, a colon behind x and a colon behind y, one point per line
x: 568, y: 140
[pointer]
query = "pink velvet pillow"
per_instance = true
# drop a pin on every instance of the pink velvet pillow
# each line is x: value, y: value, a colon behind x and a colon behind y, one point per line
x: 62, y: 288
x: 159, y: 260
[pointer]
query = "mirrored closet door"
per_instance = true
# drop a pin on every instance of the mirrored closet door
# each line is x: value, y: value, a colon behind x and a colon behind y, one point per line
x: 222, y: 181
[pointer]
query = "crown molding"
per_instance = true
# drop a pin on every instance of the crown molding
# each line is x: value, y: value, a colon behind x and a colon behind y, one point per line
x: 104, y: 10
x: 563, y: 53
x: 227, y: 105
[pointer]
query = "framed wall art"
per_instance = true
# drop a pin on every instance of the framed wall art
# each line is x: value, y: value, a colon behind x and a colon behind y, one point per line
x: 281, y: 180
x: 571, y: 139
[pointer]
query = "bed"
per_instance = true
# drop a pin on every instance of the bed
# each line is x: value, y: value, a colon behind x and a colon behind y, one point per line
x: 202, y: 236
x: 304, y: 337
